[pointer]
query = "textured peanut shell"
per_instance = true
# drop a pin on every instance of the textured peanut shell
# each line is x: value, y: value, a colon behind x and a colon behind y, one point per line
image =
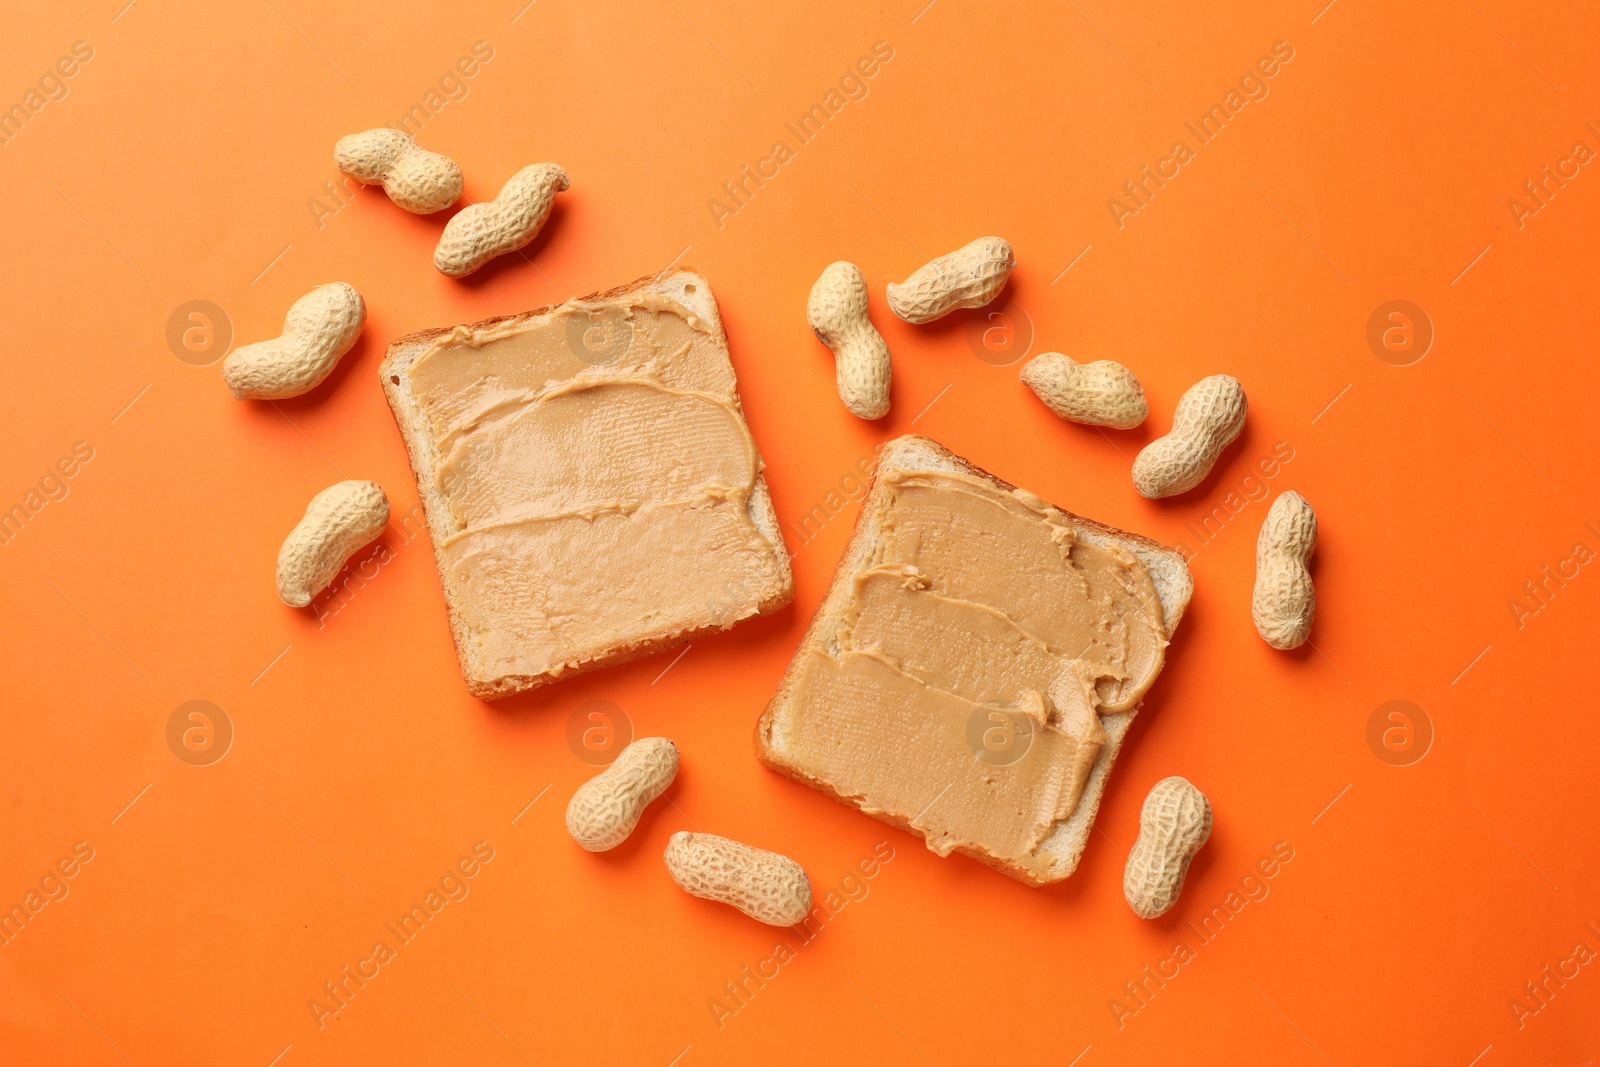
x: 480, y: 232
x: 1102, y: 393
x: 1174, y: 822
x: 420, y: 181
x: 606, y: 808
x: 338, y: 523
x: 837, y: 312
x: 764, y: 885
x: 1285, y: 600
x: 1209, y: 417
x: 320, y: 327
x: 969, y: 277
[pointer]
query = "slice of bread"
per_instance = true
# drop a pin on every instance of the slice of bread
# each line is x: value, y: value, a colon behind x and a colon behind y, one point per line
x: 681, y: 291
x: 1063, y: 844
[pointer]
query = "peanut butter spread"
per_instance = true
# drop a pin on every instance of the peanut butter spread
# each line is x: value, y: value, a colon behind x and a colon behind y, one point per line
x: 598, y: 472
x: 964, y: 682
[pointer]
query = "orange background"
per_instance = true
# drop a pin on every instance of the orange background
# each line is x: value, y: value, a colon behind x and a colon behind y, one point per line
x: 181, y: 165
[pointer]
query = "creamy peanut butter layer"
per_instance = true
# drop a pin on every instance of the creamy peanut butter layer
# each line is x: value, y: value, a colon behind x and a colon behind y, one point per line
x: 597, y: 473
x: 980, y: 609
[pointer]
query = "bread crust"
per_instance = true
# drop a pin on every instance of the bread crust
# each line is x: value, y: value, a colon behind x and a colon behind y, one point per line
x: 420, y: 450
x: 1065, y: 843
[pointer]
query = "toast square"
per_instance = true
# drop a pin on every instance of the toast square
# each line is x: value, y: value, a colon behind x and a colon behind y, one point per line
x: 974, y: 668
x: 592, y: 491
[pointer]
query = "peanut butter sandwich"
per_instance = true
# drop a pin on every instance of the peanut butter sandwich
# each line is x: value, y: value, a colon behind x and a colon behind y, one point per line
x: 592, y: 491
x: 975, y: 666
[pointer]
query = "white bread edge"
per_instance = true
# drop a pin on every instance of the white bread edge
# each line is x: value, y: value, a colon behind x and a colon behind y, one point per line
x: 1066, y: 842
x: 683, y: 285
